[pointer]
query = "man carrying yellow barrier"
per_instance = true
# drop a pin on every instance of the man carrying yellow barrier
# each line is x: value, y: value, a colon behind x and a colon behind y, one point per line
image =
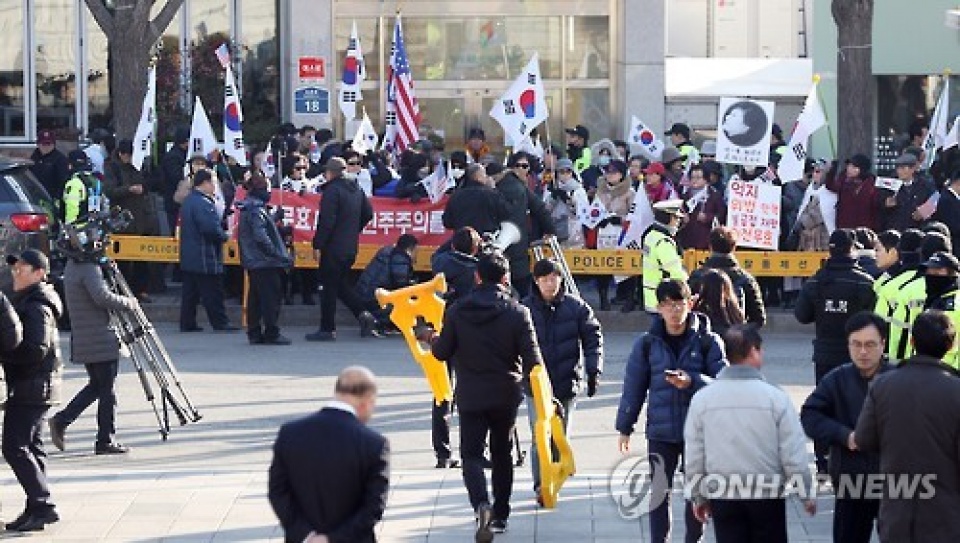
x: 489, y: 338
x: 571, y: 341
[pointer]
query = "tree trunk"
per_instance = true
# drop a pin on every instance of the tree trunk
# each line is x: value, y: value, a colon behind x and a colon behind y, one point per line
x: 855, y: 85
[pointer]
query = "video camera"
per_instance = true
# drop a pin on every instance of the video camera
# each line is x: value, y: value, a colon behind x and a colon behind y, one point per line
x: 87, y: 241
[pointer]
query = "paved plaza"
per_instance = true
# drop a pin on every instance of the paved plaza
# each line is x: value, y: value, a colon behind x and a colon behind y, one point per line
x: 208, y: 481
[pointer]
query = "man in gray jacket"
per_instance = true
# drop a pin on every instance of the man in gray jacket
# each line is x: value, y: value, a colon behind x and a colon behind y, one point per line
x: 93, y: 343
x: 743, y: 446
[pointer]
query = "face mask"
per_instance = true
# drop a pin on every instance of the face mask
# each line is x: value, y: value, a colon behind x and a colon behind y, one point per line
x: 457, y: 173
x: 567, y: 184
x: 604, y: 160
x: 350, y: 176
x: 939, y: 284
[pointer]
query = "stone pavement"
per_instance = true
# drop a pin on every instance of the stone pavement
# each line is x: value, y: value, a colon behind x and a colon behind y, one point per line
x: 208, y: 481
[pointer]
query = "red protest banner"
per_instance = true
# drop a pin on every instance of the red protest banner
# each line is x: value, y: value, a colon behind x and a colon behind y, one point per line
x: 391, y: 218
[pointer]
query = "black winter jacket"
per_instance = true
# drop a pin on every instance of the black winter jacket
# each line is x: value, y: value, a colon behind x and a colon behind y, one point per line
x: 261, y: 246
x: 477, y: 205
x: 52, y: 170
x: 390, y: 269
x: 753, y: 307
x: 830, y: 414
x: 489, y: 338
x: 570, y: 340
x: 835, y: 293
x: 33, y: 369
x: 344, y: 212
x: 529, y: 214
x: 457, y: 268
x: 172, y: 166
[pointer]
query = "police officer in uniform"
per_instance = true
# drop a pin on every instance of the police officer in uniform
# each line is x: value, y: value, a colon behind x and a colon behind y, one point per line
x: 82, y: 193
x: 943, y: 285
x: 836, y: 292
x: 661, y: 256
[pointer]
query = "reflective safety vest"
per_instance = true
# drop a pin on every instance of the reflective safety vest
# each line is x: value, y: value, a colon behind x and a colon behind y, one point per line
x: 948, y: 304
x: 887, y: 288
x: 661, y: 260
x: 582, y: 163
x: 909, y: 304
x: 81, y: 195
x: 690, y: 154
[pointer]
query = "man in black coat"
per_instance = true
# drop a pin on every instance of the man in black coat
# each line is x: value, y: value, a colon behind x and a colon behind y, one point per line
x: 723, y: 242
x: 528, y: 213
x: 948, y: 210
x: 910, y: 418
x: 33, y: 373
x: 50, y: 165
x: 171, y: 166
x: 475, y: 203
x: 330, y: 473
x: 836, y: 292
x: 489, y: 338
x: 571, y: 341
x: 830, y: 415
x: 344, y: 212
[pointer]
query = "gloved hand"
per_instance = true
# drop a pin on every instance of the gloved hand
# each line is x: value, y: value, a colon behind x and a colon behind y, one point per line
x: 558, y: 194
x: 593, y: 381
x: 615, y: 220
x: 424, y: 332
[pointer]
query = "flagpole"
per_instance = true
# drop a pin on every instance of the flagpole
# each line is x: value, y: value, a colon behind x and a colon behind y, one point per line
x: 833, y: 145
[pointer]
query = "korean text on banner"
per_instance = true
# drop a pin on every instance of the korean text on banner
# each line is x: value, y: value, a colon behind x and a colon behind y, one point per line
x: 755, y: 214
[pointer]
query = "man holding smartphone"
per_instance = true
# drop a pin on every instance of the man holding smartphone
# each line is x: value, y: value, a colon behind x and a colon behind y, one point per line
x: 678, y: 356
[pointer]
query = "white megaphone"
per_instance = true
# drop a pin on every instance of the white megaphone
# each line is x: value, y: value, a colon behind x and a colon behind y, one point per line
x: 508, y: 234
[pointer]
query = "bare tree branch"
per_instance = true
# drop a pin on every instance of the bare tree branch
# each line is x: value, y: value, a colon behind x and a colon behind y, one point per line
x: 162, y: 21
x: 102, y: 16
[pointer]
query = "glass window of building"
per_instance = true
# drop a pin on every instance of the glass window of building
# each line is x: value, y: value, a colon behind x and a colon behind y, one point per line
x: 12, y: 94
x: 588, y: 48
x: 99, y: 112
x: 259, y: 50
x: 55, y: 65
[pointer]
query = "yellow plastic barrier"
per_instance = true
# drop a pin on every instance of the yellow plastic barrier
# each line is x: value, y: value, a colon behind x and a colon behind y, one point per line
x: 581, y: 261
x: 410, y: 304
x: 548, y: 433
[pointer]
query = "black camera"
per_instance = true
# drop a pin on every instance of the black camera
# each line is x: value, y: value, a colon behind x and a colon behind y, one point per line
x: 87, y: 241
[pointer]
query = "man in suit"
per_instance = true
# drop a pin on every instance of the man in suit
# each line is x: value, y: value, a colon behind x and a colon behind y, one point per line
x: 330, y: 473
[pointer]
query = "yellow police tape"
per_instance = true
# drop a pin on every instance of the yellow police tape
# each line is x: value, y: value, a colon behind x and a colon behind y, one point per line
x: 412, y: 305
x: 580, y: 261
x: 548, y: 433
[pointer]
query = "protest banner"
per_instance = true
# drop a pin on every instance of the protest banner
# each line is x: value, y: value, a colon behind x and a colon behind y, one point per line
x: 754, y: 214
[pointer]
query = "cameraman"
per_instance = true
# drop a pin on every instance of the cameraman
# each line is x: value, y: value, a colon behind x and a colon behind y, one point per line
x: 94, y: 344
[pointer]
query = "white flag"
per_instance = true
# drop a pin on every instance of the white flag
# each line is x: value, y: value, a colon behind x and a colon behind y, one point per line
x: 810, y: 120
x: 524, y: 105
x: 953, y: 137
x: 233, y: 121
x: 640, y: 218
x: 937, y: 133
x: 202, y: 139
x: 143, y: 138
x: 641, y: 135
x: 437, y: 183
x: 354, y: 73
x: 366, y: 137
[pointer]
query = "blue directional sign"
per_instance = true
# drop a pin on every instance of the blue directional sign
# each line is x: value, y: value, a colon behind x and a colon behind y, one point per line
x: 311, y: 101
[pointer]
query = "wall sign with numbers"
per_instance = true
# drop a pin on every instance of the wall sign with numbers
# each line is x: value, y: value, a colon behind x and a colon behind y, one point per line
x: 311, y: 101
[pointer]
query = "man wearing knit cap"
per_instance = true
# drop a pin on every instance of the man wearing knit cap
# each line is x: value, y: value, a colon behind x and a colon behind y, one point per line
x: 344, y: 212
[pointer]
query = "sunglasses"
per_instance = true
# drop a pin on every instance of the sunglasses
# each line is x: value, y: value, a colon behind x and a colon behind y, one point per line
x: 353, y: 163
x: 300, y: 168
x: 523, y: 165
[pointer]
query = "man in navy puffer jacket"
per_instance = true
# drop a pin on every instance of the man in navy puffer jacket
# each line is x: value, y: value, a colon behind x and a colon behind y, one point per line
x: 677, y: 357
x: 571, y: 343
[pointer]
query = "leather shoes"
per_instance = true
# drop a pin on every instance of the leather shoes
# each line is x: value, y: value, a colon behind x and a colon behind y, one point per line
x: 226, y: 328
x: 279, y: 340
x: 191, y: 329
x: 57, y: 433
x: 368, y: 325
x: 321, y: 335
x: 112, y: 448
x: 33, y: 521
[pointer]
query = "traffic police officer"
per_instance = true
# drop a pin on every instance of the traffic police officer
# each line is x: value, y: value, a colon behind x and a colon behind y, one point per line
x: 81, y: 194
x: 942, y: 289
x: 661, y: 256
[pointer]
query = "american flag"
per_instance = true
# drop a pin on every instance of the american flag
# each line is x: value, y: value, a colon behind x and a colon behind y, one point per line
x: 223, y: 54
x: 403, y: 111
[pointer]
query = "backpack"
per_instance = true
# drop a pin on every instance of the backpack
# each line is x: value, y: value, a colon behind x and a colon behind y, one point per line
x: 704, y: 340
x: 740, y: 285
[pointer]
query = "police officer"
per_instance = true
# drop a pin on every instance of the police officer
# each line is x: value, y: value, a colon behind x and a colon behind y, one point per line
x: 679, y: 135
x: 82, y: 193
x: 661, y: 256
x: 941, y: 278
x: 837, y: 291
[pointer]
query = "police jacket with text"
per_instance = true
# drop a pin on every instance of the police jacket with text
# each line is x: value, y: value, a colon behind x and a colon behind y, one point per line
x: 490, y: 340
x: 570, y: 340
x: 661, y: 260
x: 835, y: 293
x: 701, y: 355
x: 33, y: 369
x: 830, y: 414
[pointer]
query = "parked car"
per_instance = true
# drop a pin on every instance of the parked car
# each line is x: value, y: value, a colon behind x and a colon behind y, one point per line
x: 27, y: 215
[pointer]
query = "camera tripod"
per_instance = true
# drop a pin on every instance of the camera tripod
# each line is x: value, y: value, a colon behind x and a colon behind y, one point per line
x: 147, y: 352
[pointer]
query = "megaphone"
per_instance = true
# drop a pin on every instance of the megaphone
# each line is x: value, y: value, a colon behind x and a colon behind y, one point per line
x: 508, y: 234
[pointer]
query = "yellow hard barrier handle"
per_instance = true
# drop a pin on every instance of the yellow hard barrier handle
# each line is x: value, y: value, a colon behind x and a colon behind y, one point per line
x: 548, y: 433
x: 424, y: 301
